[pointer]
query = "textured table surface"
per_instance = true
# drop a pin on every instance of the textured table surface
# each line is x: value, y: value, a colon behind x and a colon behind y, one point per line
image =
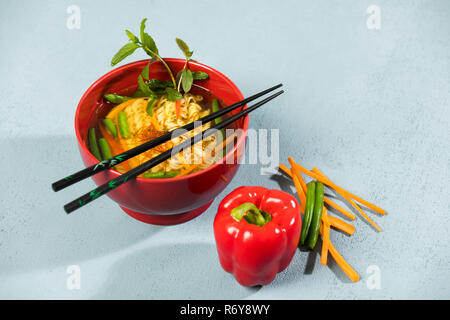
x: 370, y: 107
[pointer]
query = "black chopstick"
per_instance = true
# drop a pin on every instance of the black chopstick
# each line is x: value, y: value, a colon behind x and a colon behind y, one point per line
x: 111, y: 162
x: 133, y: 173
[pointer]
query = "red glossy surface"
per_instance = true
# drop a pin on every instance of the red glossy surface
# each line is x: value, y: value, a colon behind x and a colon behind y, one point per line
x: 160, y: 198
x: 255, y: 254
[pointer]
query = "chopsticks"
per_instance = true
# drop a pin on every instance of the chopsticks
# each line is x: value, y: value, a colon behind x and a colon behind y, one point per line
x: 133, y: 173
x: 111, y: 162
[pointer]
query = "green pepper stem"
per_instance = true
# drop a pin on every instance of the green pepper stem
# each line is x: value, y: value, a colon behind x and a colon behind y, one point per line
x: 251, y: 213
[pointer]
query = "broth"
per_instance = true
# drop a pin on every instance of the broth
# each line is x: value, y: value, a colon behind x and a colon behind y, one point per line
x: 116, y: 128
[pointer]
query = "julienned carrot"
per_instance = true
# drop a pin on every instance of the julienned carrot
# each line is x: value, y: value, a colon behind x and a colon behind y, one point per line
x: 115, y: 111
x: 373, y: 207
x: 178, y: 108
x: 339, y: 208
x: 300, y: 192
x: 352, y: 274
x: 341, y: 191
x: 337, y: 188
x: 341, y: 225
x: 335, y: 222
x: 325, y: 237
x: 292, y: 172
x: 285, y: 169
x: 344, y: 195
x: 325, y: 199
x: 349, y: 271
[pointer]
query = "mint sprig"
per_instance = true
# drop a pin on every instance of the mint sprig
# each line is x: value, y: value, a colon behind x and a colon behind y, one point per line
x: 153, y: 87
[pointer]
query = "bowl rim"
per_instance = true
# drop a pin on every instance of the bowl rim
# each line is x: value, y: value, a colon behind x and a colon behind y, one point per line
x: 116, y: 173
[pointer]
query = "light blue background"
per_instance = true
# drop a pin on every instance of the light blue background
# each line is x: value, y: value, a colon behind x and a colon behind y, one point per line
x: 368, y: 107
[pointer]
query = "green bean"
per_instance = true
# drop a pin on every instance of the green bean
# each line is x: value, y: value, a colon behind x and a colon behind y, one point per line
x: 93, y: 144
x: 150, y: 104
x: 315, y: 223
x: 110, y: 126
x: 160, y: 175
x: 115, y: 98
x: 309, y: 209
x: 123, y: 125
x: 215, y: 108
x: 104, y: 146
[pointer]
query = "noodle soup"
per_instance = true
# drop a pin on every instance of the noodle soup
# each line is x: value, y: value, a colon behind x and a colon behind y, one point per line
x: 120, y: 127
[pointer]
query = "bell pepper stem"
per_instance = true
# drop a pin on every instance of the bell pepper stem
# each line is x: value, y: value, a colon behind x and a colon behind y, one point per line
x: 251, y: 213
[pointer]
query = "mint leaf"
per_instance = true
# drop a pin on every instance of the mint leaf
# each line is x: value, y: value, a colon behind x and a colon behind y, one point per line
x: 124, y: 52
x: 143, y: 28
x: 144, y: 87
x: 145, y: 71
x: 159, y: 84
x: 173, y: 95
x: 131, y: 36
x: 115, y: 98
x: 149, y: 43
x: 186, y: 79
x: 184, y: 47
x: 200, y: 75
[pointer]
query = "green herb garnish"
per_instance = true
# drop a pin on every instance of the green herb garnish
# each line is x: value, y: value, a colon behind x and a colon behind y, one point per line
x: 152, y: 88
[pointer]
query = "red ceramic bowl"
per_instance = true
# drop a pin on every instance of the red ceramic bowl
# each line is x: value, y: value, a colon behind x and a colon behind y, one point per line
x: 161, y: 201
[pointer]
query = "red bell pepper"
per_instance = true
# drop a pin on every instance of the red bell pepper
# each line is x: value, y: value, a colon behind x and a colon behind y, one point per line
x: 257, y: 232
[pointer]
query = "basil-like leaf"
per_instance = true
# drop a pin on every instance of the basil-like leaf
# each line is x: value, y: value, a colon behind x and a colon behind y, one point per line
x: 115, y: 98
x: 186, y: 80
x: 200, y: 75
x: 143, y: 28
x: 184, y: 47
x: 159, y: 84
x: 145, y: 72
x: 150, y: 104
x: 124, y: 52
x: 144, y: 87
x: 173, y: 95
x: 149, y: 43
x: 131, y: 36
x: 147, y: 40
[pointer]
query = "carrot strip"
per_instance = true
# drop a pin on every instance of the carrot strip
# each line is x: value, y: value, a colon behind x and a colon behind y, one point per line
x: 300, y: 193
x: 345, y: 196
x: 178, y: 108
x: 341, y: 191
x: 300, y: 179
x: 115, y: 111
x: 336, y: 187
x: 285, y: 169
x: 339, y: 208
x: 349, y: 271
x: 325, y: 237
x: 341, y: 225
x: 325, y: 199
